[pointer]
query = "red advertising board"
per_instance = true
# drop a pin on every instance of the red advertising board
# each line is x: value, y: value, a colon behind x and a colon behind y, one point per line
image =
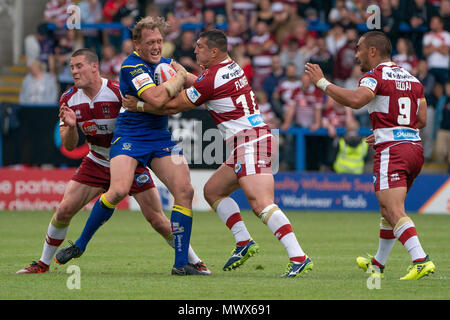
x: 36, y: 189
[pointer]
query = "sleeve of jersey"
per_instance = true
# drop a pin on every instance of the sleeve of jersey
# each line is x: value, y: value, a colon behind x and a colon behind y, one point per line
x: 200, y: 92
x: 370, y: 81
x: 138, y: 78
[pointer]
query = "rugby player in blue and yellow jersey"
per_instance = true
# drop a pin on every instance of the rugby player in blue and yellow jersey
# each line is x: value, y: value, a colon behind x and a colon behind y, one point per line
x: 143, y: 138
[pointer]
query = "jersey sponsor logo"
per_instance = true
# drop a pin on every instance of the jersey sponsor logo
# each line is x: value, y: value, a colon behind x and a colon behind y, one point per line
x: 370, y: 83
x: 142, y: 80
x: 89, y: 128
x: 192, y: 94
x: 136, y: 71
x: 405, y: 134
x: 397, y: 74
x: 142, y: 178
x: 255, y: 119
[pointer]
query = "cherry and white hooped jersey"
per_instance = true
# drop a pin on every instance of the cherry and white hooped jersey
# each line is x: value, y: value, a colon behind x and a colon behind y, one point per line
x: 226, y: 93
x: 393, y: 111
x: 96, y: 118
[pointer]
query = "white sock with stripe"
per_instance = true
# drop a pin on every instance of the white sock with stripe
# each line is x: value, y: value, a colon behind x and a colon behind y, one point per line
x: 281, y: 227
x: 386, y: 243
x: 405, y: 231
x: 56, y: 233
x: 228, y: 211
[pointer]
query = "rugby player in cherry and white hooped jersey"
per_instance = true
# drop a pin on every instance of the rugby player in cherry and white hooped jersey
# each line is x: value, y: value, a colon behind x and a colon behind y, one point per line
x: 92, y: 105
x: 397, y: 106
x: 225, y: 91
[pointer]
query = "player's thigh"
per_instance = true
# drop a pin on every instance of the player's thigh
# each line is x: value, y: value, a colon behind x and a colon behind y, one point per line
x: 259, y: 190
x: 122, y: 169
x: 173, y: 171
x: 76, y: 196
x: 392, y: 203
x: 221, y: 184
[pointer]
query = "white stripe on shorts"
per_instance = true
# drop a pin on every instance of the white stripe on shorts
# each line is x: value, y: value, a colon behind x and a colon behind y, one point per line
x: 250, y: 158
x: 384, y: 164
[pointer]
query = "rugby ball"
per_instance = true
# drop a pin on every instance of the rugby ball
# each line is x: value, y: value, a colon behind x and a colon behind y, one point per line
x: 163, y: 72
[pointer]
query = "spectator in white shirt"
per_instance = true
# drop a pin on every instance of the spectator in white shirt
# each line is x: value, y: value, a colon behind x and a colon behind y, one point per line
x: 436, y: 47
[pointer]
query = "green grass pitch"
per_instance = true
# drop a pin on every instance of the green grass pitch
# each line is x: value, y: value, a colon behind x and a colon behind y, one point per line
x: 128, y: 260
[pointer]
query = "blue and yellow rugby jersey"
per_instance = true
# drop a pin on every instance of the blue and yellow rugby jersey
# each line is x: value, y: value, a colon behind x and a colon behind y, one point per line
x: 136, y: 75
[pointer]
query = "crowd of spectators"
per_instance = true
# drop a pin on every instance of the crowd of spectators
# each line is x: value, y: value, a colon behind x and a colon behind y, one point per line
x: 271, y: 40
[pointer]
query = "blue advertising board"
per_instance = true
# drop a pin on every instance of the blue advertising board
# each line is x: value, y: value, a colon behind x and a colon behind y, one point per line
x: 325, y: 191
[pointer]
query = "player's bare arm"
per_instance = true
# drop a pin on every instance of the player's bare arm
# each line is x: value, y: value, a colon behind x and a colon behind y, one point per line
x: 422, y: 114
x: 69, y: 132
x: 171, y: 107
x: 354, y: 99
x: 176, y: 105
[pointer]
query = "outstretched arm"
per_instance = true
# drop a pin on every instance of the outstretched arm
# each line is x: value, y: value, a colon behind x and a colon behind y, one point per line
x: 354, y: 99
x: 176, y: 105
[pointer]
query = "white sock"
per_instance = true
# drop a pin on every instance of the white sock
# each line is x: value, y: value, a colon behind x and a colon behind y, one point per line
x: 280, y: 226
x: 228, y: 211
x: 56, y: 233
x: 386, y: 242
x: 405, y: 231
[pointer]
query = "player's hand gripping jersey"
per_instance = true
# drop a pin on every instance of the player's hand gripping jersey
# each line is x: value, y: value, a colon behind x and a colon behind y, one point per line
x: 394, y: 109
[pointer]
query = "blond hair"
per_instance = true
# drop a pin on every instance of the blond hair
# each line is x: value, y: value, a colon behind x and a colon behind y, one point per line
x: 150, y: 23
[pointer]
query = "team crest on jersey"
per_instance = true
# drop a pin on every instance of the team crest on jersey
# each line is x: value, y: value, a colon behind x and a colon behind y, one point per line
x: 78, y: 114
x: 106, y: 111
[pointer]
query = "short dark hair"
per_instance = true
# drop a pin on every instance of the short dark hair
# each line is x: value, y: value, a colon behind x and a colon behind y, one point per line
x: 380, y: 41
x: 215, y: 39
x: 90, y: 55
